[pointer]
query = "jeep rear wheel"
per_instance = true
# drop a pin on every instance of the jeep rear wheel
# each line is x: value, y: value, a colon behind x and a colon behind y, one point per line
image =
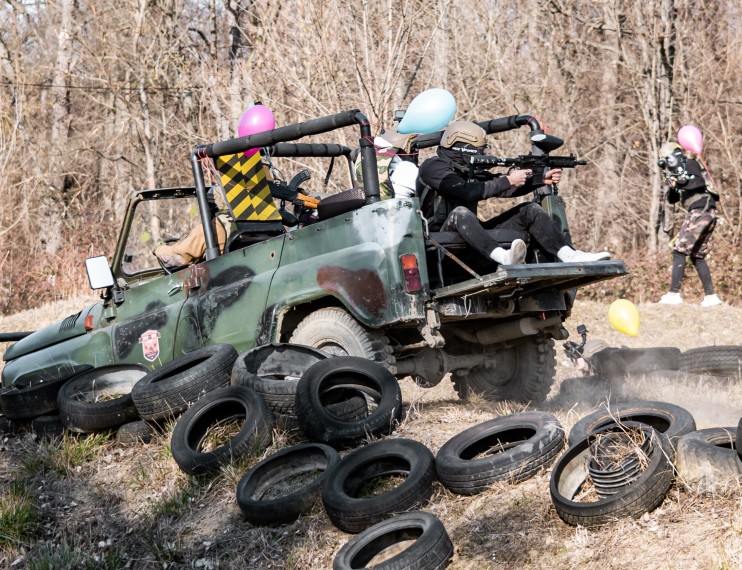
x: 523, y: 373
x: 337, y: 333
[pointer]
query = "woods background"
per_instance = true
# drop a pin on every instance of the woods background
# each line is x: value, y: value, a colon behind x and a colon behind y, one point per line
x: 102, y: 98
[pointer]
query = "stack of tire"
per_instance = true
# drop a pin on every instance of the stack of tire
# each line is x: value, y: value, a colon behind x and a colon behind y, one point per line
x: 511, y: 448
x: 33, y: 401
x: 587, y: 492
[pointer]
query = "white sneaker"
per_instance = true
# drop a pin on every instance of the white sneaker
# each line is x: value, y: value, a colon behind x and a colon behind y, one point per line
x: 711, y: 301
x: 569, y: 255
x: 671, y: 299
x: 518, y: 251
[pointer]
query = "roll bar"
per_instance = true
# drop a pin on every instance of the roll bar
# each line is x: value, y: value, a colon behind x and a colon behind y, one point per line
x: 492, y: 126
x: 280, y: 135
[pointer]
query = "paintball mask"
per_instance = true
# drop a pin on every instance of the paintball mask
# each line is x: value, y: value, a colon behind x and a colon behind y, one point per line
x: 673, y: 161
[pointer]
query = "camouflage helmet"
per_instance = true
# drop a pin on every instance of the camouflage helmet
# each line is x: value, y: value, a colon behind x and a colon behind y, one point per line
x: 463, y: 132
x: 400, y: 141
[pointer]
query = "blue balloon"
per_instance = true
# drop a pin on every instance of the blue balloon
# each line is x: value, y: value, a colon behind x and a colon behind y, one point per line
x: 429, y: 112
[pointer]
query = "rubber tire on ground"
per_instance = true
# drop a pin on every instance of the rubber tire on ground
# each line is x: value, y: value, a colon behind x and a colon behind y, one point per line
x: 336, y: 332
x: 49, y: 426
x: 273, y: 371
x: 8, y: 426
x: 708, y: 460
x: 280, y: 466
x: 432, y: 549
x: 666, y: 418
x: 76, y: 400
x: 322, y: 425
x: 352, y: 408
x: 36, y: 399
x: 713, y: 360
x: 133, y: 433
x: 218, y: 406
x: 526, y: 377
x: 343, y: 484
x: 616, y: 363
x: 641, y: 496
x: 531, y: 442
x: 170, y: 389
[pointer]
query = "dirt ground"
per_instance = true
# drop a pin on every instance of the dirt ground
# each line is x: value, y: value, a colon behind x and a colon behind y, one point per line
x: 130, y: 507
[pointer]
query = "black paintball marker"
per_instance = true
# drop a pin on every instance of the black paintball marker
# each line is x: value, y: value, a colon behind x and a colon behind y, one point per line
x: 674, y: 165
x: 290, y: 192
x: 526, y: 161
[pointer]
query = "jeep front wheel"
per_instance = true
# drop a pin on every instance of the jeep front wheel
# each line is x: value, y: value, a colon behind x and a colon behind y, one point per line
x: 523, y: 373
x: 336, y: 332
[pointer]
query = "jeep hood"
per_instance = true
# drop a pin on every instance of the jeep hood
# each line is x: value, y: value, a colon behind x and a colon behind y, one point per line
x: 69, y: 327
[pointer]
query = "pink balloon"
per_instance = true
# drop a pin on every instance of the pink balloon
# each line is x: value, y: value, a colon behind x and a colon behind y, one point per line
x: 255, y: 119
x: 691, y: 138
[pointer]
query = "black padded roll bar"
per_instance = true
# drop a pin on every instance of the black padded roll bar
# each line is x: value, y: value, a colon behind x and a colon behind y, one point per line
x: 279, y: 135
x: 308, y: 149
x: 13, y: 336
x: 492, y: 126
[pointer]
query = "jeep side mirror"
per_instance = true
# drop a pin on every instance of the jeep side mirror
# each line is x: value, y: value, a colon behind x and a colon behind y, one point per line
x: 99, y: 272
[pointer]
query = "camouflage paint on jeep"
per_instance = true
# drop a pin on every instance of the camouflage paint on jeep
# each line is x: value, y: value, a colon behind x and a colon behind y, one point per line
x: 126, y: 335
x: 361, y: 289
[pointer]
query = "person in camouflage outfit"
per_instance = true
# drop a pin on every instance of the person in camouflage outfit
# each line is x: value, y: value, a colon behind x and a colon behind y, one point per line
x: 692, y: 189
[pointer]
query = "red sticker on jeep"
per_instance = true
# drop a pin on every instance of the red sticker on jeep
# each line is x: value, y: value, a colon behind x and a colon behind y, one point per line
x: 150, y: 341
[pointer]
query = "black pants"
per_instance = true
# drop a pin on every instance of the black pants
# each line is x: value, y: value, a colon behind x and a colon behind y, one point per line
x: 678, y: 272
x: 527, y: 217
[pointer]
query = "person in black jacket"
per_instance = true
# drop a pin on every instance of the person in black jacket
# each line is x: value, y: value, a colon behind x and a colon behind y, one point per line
x: 687, y: 185
x: 449, y: 200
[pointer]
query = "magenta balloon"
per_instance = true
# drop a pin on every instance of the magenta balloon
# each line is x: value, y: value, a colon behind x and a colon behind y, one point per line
x: 255, y: 119
x: 691, y: 138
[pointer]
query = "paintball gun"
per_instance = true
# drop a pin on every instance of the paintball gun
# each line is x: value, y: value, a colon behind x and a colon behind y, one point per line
x: 290, y: 192
x: 674, y: 165
x: 526, y: 161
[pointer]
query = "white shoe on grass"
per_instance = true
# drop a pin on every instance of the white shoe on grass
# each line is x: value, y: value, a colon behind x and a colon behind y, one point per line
x: 671, y: 299
x: 711, y: 301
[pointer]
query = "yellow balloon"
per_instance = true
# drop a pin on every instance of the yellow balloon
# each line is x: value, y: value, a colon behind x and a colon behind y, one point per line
x: 624, y: 317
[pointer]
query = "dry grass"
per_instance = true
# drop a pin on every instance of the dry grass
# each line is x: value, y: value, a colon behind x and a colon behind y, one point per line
x: 134, y: 505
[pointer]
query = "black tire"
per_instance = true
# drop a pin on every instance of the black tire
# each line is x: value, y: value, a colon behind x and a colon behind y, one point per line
x: 38, y: 398
x: 344, y: 484
x: 642, y: 495
x: 8, y: 426
x: 713, y: 360
x: 134, y: 433
x: 49, y: 426
x: 212, y: 410
x: 617, y: 363
x: 353, y: 407
x: 337, y: 333
x: 516, y: 446
x: 78, y: 400
x: 522, y: 373
x: 325, y: 378
x: 277, y: 469
x: 708, y: 460
x: 739, y: 438
x: 432, y: 549
x: 666, y: 418
x: 273, y: 371
x: 169, y: 390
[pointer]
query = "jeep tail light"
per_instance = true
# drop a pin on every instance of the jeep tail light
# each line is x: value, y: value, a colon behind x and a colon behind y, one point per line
x: 412, y: 280
x: 88, y: 323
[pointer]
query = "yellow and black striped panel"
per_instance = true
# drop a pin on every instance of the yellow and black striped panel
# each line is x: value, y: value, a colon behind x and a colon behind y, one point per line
x: 246, y: 187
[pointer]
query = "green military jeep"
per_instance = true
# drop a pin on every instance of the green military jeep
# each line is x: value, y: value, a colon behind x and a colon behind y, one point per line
x: 366, y: 279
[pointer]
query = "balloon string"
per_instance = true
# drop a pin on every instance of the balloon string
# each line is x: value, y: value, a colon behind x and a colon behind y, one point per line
x: 708, y: 172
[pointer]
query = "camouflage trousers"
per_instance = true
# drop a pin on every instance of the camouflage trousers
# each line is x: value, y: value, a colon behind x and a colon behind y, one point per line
x: 695, y: 233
